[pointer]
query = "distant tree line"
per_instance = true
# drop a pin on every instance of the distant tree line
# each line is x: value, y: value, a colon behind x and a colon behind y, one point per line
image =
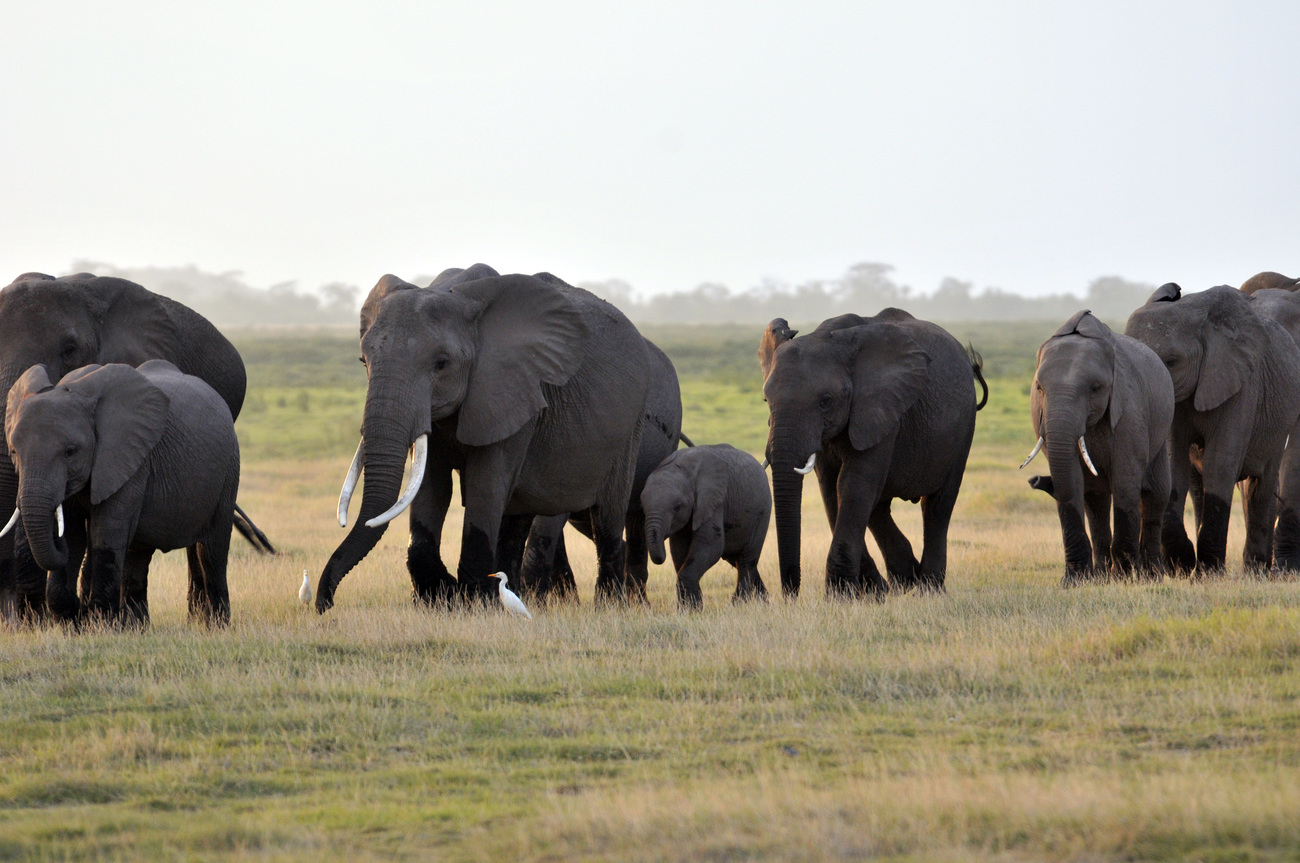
x: 864, y: 288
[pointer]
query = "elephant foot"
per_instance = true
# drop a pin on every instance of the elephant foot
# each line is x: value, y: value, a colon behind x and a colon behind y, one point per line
x: 1076, y: 577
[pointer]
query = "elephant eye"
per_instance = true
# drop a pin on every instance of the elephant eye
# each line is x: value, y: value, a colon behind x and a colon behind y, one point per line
x: 440, y: 364
x: 825, y: 402
x: 70, y: 451
x: 69, y: 349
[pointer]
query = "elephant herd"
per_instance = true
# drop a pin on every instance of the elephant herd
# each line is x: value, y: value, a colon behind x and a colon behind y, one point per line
x: 553, y: 408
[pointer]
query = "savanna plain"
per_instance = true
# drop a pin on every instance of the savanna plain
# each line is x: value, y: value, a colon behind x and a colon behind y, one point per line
x: 1008, y: 719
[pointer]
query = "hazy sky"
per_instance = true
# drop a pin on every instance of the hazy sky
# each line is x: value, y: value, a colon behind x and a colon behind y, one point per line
x: 1030, y: 146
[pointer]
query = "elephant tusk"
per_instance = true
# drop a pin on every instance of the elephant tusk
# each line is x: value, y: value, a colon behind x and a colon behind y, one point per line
x: 9, y: 525
x: 1038, y: 447
x: 58, y: 518
x: 766, y: 462
x: 807, y: 469
x: 350, y: 485
x: 1083, y: 450
x: 412, y: 487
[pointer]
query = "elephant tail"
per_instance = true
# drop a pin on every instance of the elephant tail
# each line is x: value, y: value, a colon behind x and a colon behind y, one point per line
x: 252, y: 532
x: 684, y: 439
x: 977, y: 366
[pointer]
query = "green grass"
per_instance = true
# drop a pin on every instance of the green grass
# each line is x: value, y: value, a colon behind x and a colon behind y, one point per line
x: 1007, y: 720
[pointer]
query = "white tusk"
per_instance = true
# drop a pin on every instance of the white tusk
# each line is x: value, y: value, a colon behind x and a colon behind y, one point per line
x: 1038, y: 447
x: 1083, y: 450
x: 58, y: 518
x: 9, y: 525
x: 412, y: 487
x: 349, y: 486
x: 765, y: 463
x: 807, y: 469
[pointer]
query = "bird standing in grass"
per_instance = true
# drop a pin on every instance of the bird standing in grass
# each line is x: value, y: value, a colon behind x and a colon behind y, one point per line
x: 304, y: 592
x: 512, y: 603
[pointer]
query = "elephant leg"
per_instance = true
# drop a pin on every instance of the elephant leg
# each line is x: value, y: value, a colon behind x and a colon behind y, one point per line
x: 1259, y: 499
x: 1126, y: 546
x: 101, y: 594
x: 563, y: 584
x: 1286, y: 536
x: 749, y: 584
x: 704, y: 551
x: 488, y: 480
x: 1175, y: 546
x: 1196, y: 490
x: 900, y: 563
x: 936, y: 514
x: 850, y: 571
x: 431, y: 582
x: 607, y: 525
x: 538, y: 565
x: 678, y: 545
x: 135, y: 585
x: 1220, y: 471
x: 207, y: 561
x: 61, y: 587
x: 510, y: 544
x: 1155, y: 495
x: 636, y: 555
x: 1096, y: 505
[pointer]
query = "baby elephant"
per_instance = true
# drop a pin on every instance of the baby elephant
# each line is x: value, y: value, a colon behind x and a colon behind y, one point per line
x: 713, y: 503
x: 141, y: 459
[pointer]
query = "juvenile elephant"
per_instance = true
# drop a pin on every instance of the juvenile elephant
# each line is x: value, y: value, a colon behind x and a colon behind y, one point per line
x: 69, y: 322
x: 545, y: 568
x: 1269, y: 281
x: 1236, y: 379
x: 881, y: 408
x: 1103, y: 401
x: 711, y: 503
x: 148, y: 459
x: 534, y: 390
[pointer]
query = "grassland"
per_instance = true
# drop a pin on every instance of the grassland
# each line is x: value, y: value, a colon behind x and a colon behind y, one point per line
x: 1006, y: 720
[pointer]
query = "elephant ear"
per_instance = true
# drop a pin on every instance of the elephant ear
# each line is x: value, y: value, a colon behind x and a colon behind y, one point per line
x: 1169, y: 292
x: 530, y: 333
x: 137, y: 324
x: 1233, y: 339
x: 778, y: 332
x: 387, y: 284
x: 889, y: 369
x: 34, y: 380
x: 710, y: 492
x: 130, y: 418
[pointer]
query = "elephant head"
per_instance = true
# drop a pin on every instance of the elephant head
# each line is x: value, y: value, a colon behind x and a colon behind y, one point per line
x: 1279, y: 305
x: 1269, y: 281
x: 1075, y: 388
x: 678, y: 493
x: 851, y: 380
x: 94, y: 430
x: 473, y: 352
x: 1212, y: 342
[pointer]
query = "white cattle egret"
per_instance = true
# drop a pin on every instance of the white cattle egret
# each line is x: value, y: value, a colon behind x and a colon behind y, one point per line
x: 512, y: 603
x: 304, y: 592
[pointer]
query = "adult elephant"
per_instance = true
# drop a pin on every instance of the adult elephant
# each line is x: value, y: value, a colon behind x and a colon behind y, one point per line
x: 882, y: 408
x: 1236, y: 379
x: 545, y: 568
x: 533, y: 389
x: 65, y: 323
x: 1104, y: 401
x: 1269, y: 281
x: 1283, y: 306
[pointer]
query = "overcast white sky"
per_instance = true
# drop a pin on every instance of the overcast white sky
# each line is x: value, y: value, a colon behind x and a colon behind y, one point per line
x: 1030, y: 146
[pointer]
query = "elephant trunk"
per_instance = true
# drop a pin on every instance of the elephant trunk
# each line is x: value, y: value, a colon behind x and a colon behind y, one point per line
x: 1062, y: 433
x: 38, y: 500
x: 789, y: 455
x: 654, y: 537
x: 388, y: 435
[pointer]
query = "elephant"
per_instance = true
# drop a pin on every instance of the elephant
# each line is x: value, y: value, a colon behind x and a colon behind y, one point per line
x: 1283, y: 307
x: 1269, y: 281
x: 146, y: 459
x: 711, y: 503
x: 1103, y: 400
x: 532, y: 389
x: 545, y: 567
x: 881, y: 407
x: 1236, y: 378
x: 69, y: 322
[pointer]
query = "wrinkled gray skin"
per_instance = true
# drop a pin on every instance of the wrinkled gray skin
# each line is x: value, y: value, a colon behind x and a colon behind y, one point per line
x: 143, y: 459
x: 1236, y: 379
x: 532, y: 389
x: 1283, y: 307
x: 1113, y: 392
x: 711, y: 503
x: 886, y: 404
x: 72, y: 321
x: 545, y: 569
x: 1269, y: 281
